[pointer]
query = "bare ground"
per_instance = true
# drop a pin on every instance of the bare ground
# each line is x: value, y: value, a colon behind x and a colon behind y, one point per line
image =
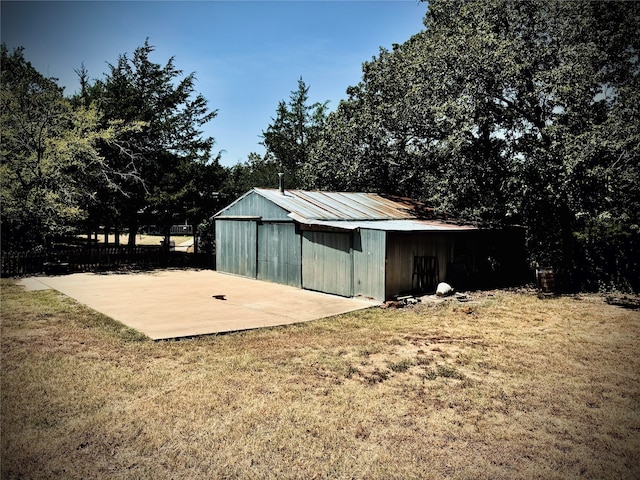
x: 504, y: 386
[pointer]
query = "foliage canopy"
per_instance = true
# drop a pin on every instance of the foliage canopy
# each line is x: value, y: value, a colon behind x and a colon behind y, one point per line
x: 169, y: 154
x: 50, y: 156
x: 295, y: 131
x: 129, y: 148
x: 507, y: 112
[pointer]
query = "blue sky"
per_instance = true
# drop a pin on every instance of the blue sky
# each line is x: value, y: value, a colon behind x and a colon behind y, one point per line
x: 247, y: 55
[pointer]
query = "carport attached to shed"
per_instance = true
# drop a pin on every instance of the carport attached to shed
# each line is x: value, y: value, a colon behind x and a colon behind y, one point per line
x: 349, y: 244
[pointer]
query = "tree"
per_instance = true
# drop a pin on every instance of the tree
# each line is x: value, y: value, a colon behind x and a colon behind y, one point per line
x: 294, y: 131
x: 258, y: 171
x: 49, y: 156
x: 507, y: 112
x: 529, y: 83
x: 169, y: 147
x: 373, y: 141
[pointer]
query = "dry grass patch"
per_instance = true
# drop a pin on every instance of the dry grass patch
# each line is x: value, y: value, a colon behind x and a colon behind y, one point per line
x: 143, y: 239
x: 508, y: 386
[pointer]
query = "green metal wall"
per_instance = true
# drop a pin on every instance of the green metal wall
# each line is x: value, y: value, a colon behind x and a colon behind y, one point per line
x: 236, y: 246
x: 327, y: 263
x: 369, y: 248
x: 256, y: 205
x: 280, y: 254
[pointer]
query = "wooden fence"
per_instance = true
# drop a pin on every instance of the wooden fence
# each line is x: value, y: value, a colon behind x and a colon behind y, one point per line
x: 96, y: 258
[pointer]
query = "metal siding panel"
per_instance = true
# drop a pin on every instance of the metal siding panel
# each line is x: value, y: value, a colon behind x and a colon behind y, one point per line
x: 294, y: 247
x: 369, y: 248
x: 221, y: 254
x: 279, y: 253
x: 264, y: 253
x: 236, y: 247
x: 256, y: 205
x: 224, y: 247
x: 327, y: 262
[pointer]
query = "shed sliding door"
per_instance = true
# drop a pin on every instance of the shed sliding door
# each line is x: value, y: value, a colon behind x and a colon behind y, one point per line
x: 327, y: 264
x: 236, y: 247
x: 279, y: 254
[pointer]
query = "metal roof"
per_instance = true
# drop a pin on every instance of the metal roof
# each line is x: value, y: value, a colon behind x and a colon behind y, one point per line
x: 388, y: 225
x: 351, y: 211
x: 337, y: 205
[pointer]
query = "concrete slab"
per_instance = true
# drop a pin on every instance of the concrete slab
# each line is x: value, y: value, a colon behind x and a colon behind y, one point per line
x: 183, y: 303
x: 33, y: 284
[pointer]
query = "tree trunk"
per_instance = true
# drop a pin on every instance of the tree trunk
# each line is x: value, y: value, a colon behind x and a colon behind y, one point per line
x: 194, y: 231
x: 167, y: 239
x: 133, y: 231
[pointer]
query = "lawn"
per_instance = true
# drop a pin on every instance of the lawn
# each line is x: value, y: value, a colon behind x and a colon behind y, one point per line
x: 144, y: 239
x: 506, y: 386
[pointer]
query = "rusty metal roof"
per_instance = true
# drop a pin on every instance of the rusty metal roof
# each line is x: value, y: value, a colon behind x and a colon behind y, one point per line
x: 387, y: 225
x: 350, y: 211
x: 315, y: 205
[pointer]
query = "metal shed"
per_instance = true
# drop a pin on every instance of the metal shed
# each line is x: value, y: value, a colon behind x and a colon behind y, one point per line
x: 349, y: 244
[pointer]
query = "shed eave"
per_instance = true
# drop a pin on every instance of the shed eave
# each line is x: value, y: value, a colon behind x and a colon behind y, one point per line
x: 384, y: 225
x: 237, y: 217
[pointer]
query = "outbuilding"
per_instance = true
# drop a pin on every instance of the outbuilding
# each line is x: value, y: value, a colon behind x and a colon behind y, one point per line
x: 351, y: 244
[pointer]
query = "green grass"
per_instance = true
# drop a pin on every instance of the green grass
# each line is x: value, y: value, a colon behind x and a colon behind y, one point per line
x: 401, y: 366
x: 520, y: 388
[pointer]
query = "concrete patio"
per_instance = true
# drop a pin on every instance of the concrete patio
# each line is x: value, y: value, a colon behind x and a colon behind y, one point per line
x: 168, y: 304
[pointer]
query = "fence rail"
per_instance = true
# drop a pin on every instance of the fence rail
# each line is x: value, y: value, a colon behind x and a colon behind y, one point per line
x: 96, y: 258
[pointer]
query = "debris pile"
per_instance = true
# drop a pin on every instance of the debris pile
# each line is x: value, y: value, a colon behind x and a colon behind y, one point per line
x: 403, y: 301
x: 625, y: 301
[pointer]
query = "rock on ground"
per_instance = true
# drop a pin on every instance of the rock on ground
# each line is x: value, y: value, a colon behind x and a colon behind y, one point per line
x: 444, y: 290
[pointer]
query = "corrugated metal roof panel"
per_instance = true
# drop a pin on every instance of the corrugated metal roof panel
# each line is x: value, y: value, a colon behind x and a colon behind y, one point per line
x: 346, y: 211
x: 339, y: 205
